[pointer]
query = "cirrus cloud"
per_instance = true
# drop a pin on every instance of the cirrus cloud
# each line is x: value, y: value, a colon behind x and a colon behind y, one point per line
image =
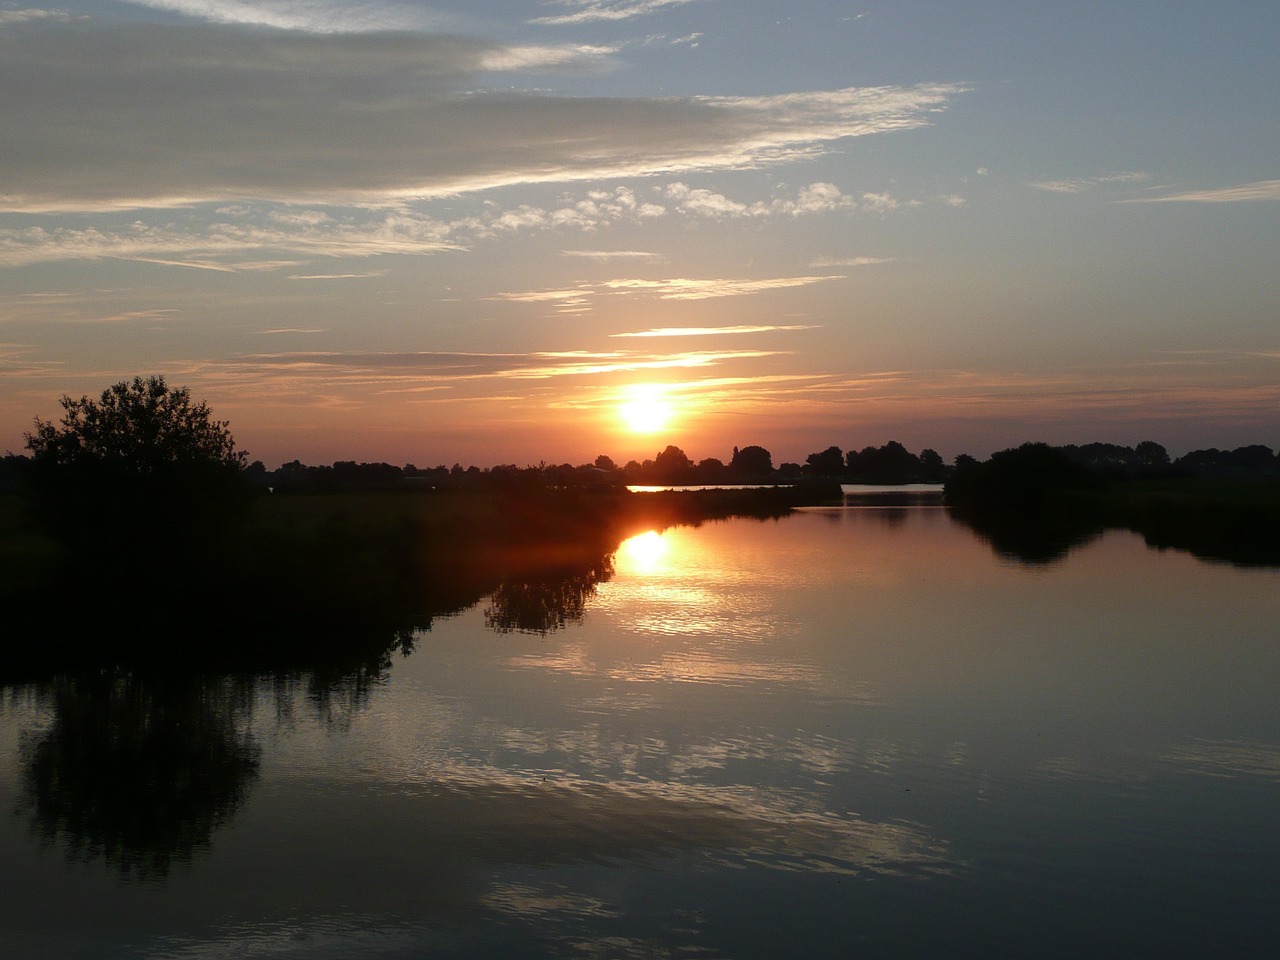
x: 595, y: 11
x: 1259, y: 190
x: 162, y: 115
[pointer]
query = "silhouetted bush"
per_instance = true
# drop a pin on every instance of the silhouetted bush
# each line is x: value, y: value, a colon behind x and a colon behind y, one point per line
x: 143, y: 468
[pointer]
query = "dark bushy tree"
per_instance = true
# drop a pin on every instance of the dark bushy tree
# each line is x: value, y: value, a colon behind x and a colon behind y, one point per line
x: 932, y: 467
x: 892, y: 463
x: 753, y: 462
x: 143, y: 462
x: 1017, y: 477
x: 673, y: 465
x: 1151, y: 456
x: 828, y: 463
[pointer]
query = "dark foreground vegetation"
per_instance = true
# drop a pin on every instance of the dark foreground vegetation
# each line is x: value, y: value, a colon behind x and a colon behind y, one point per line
x: 1035, y: 502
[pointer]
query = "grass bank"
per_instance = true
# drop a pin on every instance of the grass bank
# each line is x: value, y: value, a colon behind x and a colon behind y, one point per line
x: 335, y: 576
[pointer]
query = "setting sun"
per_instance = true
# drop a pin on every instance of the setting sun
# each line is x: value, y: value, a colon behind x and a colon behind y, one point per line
x: 645, y: 408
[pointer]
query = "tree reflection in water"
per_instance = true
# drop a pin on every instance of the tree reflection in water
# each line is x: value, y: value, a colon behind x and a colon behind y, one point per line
x: 1032, y: 537
x: 140, y: 769
x: 546, y: 601
x: 137, y: 772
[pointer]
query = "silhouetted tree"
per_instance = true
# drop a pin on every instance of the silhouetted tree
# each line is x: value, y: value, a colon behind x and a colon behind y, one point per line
x: 1017, y: 478
x: 753, y: 462
x: 932, y: 469
x: 1151, y: 455
x: 828, y: 463
x: 142, y: 462
x: 672, y: 466
x: 711, y: 470
x: 892, y: 463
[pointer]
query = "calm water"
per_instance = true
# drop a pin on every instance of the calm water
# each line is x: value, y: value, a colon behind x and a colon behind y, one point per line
x: 854, y: 732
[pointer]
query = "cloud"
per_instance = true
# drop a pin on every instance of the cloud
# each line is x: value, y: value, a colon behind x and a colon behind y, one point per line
x: 429, y: 370
x: 715, y: 331
x: 316, y: 16
x: 32, y: 14
x: 220, y: 245
x: 679, y: 288
x: 682, y: 288
x: 543, y: 296
x: 607, y: 255
x: 594, y: 11
x: 338, y: 276
x: 1258, y: 190
x: 824, y: 262
x: 819, y: 198
x: 166, y: 115
x: 1089, y: 183
x: 541, y: 57
x: 296, y: 234
x: 880, y: 203
x: 816, y: 198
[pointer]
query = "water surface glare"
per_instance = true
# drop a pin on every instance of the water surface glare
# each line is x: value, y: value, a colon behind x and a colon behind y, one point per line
x: 852, y: 732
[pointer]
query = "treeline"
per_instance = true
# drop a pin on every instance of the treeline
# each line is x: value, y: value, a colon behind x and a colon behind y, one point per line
x: 1036, y: 502
x: 753, y: 464
x: 1028, y: 471
x: 891, y: 463
x: 1150, y: 460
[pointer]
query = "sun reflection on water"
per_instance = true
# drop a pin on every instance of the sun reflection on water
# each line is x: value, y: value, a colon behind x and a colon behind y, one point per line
x: 641, y: 555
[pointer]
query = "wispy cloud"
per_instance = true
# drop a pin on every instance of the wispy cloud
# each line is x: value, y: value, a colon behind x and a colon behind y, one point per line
x: 338, y: 276
x: 580, y: 296
x: 300, y: 117
x: 32, y: 14
x: 542, y: 57
x: 317, y: 16
x: 683, y: 288
x: 1258, y: 190
x: 267, y: 236
x: 607, y: 255
x: 223, y: 244
x: 1084, y: 184
x: 594, y: 11
x: 826, y: 262
x: 716, y: 331
x: 330, y: 370
x: 545, y: 296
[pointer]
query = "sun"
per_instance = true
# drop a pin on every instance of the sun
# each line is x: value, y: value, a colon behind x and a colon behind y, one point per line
x: 646, y: 408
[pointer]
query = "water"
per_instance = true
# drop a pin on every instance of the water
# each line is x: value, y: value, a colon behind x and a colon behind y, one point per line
x: 851, y: 732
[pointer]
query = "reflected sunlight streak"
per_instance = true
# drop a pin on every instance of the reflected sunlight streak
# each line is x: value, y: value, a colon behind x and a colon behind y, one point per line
x: 641, y: 555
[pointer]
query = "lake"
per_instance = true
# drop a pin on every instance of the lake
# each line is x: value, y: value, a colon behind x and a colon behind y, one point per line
x: 856, y: 731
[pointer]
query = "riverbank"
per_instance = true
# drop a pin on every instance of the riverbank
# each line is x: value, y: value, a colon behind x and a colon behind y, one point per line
x: 343, y: 577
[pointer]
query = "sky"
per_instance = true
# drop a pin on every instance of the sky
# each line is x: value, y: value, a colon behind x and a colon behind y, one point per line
x: 540, y: 231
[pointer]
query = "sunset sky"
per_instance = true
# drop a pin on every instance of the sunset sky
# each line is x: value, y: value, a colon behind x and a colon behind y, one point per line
x: 512, y: 232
